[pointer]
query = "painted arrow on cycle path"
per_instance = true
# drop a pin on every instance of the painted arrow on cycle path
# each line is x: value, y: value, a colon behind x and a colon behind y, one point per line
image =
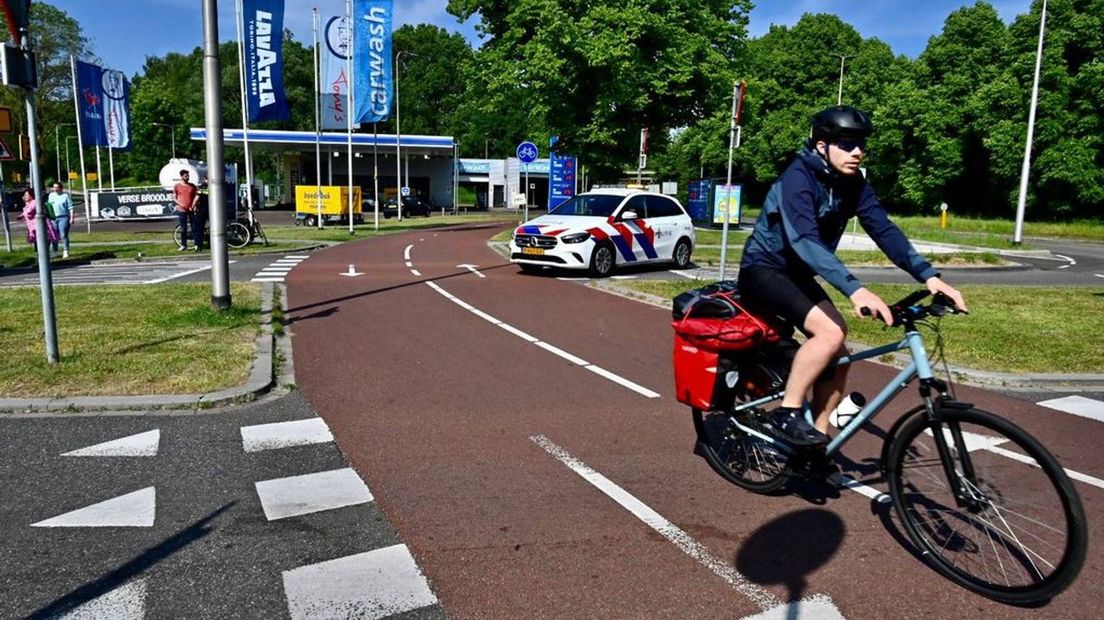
x: 435, y: 406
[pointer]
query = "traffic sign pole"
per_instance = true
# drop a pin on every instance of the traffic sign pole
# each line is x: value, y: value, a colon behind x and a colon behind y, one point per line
x: 527, y: 153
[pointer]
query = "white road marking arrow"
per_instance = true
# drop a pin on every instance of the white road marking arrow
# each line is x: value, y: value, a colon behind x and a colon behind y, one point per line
x: 472, y: 268
x: 352, y: 273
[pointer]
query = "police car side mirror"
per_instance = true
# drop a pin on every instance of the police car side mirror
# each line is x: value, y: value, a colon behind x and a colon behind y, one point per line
x: 628, y: 214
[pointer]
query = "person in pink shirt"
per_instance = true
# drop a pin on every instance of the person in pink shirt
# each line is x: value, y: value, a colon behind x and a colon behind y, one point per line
x: 30, y: 211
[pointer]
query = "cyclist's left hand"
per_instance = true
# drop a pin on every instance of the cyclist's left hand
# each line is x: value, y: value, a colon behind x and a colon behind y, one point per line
x: 937, y: 285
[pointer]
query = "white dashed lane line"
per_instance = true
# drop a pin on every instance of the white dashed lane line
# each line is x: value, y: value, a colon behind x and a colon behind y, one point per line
x: 602, y: 372
x: 578, y: 361
x: 818, y: 606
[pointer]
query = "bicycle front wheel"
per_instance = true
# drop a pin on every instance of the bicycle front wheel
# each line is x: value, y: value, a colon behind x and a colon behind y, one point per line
x: 237, y: 235
x: 178, y: 236
x: 1015, y: 531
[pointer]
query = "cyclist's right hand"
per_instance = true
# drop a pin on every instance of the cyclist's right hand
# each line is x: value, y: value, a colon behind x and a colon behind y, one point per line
x: 873, y: 305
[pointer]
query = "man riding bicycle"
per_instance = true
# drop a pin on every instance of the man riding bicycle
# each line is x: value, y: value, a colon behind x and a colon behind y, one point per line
x: 794, y: 240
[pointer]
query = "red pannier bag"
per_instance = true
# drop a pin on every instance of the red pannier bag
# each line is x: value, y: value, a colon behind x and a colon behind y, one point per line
x: 701, y: 345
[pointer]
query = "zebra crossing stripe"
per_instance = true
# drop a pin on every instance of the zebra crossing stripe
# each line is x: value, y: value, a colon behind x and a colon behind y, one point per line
x: 301, y: 495
x: 126, y: 602
x: 285, y: 434
x: 376, y: 584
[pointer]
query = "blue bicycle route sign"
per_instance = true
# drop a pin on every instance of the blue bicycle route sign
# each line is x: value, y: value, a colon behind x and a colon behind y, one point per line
x: 527, y: 152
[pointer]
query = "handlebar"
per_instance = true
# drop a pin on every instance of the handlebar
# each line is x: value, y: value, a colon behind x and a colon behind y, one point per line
x: 908, y: 309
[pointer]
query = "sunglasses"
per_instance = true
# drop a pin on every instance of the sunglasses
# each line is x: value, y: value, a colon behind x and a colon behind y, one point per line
x: 849, y: 145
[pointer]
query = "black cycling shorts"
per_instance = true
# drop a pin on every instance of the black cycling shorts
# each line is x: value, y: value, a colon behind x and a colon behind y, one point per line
x: 771, y: 292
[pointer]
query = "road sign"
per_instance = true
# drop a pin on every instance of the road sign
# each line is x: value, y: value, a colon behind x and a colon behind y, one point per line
x: 6, y: 120
x: 527, y: 152
x: 73, y: 176
x: 5, y: 152
x: 405, y: 191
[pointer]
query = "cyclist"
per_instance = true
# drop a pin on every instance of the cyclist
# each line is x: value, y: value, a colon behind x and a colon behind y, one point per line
x: 794, y: 240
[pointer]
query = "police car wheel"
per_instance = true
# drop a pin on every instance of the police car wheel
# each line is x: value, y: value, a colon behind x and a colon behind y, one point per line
x: 602, y: 261
x: 682, y: 254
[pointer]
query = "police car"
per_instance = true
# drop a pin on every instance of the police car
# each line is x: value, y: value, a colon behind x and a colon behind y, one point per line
x: 601, y: 229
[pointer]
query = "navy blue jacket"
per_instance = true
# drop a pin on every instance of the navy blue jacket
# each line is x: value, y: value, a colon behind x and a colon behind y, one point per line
x: 806, y: 213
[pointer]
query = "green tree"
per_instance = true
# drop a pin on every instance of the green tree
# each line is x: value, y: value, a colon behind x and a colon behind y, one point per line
x: 596, y: 73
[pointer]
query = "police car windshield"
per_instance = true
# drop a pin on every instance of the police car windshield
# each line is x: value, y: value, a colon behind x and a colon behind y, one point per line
x: 592, y: 205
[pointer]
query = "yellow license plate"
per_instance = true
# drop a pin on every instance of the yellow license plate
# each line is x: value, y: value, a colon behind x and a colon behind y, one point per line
x: 537, y: 251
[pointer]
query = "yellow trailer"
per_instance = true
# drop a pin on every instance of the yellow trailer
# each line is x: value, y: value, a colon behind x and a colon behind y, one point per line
x: 334, y: 203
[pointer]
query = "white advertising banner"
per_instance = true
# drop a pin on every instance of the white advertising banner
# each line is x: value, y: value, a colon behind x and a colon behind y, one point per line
x: 334, y: 88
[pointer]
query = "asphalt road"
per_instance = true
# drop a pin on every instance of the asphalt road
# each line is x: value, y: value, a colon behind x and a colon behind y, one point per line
x: 201, y: 545
x: 474, y: 402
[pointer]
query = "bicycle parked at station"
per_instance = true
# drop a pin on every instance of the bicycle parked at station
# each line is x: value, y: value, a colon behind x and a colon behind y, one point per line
x: 985, y: 503
x: 240, y: 232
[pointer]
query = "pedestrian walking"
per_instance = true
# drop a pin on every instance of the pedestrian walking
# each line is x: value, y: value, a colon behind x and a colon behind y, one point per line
x: 30, y: 211
x: 60, y: 203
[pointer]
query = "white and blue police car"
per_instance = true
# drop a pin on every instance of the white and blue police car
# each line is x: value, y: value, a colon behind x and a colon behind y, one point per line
x: 603, y: 228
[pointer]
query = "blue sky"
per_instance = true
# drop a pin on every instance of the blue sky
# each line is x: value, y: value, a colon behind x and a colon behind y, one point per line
x: 124, y: 32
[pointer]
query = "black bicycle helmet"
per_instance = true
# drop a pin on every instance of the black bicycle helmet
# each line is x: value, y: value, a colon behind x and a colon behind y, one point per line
x: 839, y: 122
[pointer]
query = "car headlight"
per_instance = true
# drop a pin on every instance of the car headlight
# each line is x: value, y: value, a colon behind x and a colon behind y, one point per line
x: 578, y: 237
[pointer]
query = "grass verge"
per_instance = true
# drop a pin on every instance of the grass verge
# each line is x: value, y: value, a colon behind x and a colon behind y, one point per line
x: 1009, y: 329
x: 128, y: 340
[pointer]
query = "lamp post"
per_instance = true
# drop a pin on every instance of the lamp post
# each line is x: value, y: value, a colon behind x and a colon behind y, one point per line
x: 57, y: 149
x: 842, y: 57
x: 1021, y: 202
x: 398, y: 135
x: 172, y: 135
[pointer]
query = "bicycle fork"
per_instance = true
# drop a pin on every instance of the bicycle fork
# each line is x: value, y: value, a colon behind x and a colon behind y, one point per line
x: 962, y: 480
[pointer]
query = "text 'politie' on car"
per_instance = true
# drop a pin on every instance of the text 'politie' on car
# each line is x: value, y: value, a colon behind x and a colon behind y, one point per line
x: 604, y: 228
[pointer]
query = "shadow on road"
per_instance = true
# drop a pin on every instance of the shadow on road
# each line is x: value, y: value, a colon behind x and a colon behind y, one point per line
x: 140, y: 564
x: 786, y: 550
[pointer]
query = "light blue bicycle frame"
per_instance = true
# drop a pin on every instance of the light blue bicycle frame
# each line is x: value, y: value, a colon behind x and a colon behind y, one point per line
x: 918, y: 367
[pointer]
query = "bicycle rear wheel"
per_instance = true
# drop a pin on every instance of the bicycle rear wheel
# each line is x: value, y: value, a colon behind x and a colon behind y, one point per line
x: 1017, y: 532
x: 739, y: 457
x: 237, y: 235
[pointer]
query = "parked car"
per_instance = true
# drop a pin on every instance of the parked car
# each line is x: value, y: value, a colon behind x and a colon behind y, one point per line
x: 412, y: 205
x: 598, y: 230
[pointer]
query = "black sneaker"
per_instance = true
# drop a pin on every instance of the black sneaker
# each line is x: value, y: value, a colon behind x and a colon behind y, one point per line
x: 792, y: 425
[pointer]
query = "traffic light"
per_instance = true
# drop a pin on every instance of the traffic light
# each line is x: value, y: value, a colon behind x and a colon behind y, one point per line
x: 18, y: 67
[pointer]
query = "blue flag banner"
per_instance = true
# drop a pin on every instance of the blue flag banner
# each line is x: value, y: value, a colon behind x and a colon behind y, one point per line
x: 116, y: 91
x: 372, y: 49
x: 263, y: 28
x: 561, y: 179
x: 90, y: 100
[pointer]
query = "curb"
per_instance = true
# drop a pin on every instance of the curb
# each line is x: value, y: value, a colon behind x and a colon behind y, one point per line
x: 965, y: 376
x: 168, y: 259
x: 260, y: 381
